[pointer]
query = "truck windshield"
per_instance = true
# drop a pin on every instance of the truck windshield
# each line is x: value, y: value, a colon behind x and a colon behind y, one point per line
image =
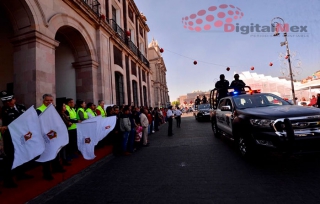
x: 203, y: 106
x: 258, y: 100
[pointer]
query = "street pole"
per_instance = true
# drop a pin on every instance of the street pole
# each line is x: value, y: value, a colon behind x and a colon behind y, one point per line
x: 275, y: 24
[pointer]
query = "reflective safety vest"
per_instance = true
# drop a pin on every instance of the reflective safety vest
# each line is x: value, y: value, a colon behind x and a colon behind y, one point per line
x: 73, y: 116
x: 90, y: 111
x: 103, y: 114
x: 42, y: 108
x: 85, y: 115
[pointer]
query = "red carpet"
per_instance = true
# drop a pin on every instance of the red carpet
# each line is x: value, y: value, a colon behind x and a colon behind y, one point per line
x: 29, y: 189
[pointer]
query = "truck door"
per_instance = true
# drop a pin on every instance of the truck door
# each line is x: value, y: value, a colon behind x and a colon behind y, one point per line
x: 228, y: 117
x: 219, y: 114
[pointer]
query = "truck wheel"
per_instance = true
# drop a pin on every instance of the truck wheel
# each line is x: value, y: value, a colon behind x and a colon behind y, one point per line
x: 215, y: 129
x: 245, y: 147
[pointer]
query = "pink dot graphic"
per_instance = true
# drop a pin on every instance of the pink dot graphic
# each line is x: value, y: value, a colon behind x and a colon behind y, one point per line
x: 193, y: 16
x: 235, y: 17
x: 237, y: 12
x: 186, y: 18
x: 190, y: 28
x: 207, y: 27
x: 221, y: 14
x: 212, y: 8
x: 198, y: 29
x: 223, y: 6
x: 190, y: 23
x: 185, y: 26
x: 201, y: 12
x: 210, y: 18
x: 228, y: 20
x: 232, y: 6
x: 230, y: 12
x: 218, y: 23
x: 199, y: 21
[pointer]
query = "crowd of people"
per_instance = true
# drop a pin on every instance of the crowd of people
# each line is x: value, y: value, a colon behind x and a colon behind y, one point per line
x: 133, y: 126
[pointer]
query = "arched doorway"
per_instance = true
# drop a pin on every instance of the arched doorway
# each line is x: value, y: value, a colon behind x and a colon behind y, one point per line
x: 74, y: 66
x: 6, y: 52
x: 65, y: 72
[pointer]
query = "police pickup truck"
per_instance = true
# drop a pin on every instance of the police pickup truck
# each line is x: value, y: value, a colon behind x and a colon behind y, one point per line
x: 256, y: 121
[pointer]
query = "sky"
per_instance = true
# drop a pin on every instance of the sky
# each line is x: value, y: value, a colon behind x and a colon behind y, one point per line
x: 215, y: 49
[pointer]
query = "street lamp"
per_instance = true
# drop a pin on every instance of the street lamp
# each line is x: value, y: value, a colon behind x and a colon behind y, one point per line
x: 276, y: 24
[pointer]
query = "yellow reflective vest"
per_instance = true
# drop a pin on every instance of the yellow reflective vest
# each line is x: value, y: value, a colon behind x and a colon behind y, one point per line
x: 103, y: 114
x: 73, y: 116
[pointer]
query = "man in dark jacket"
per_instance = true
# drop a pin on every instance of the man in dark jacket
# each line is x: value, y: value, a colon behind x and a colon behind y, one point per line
x: 9, y: 113
x: 222, y: 85
x: 236, y: 84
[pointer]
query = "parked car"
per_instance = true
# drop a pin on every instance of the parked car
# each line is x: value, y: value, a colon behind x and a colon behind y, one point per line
x: 256, y: 121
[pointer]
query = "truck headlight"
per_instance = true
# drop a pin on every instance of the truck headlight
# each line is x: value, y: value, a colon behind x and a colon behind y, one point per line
x: 261, y: 122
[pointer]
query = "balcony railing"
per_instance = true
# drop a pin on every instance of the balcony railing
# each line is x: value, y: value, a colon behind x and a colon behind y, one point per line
x: 94, y: 5
x: 127, y: 41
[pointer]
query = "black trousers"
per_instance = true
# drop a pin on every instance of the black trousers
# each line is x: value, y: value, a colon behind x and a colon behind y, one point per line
x: 170, y: 126
x: 178, y: 118
x: 8, y: 160
x: 72, y: 147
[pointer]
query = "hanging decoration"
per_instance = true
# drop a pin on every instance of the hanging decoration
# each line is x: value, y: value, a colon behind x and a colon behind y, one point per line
x: 270, y: 64
x: 228, y: 69
x: 161, y: 50
x: 128, y: 33
x: 287, y: 56
x: 195, y: 62
x: 252, y: 68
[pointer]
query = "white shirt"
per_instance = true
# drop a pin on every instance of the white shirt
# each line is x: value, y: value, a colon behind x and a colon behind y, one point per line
x: 169, y: 113
x: 178, y: 112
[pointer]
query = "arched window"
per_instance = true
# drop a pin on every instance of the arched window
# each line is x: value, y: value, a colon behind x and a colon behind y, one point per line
x: 145, y: 98
x: 119, y: 88
x: 135, y: 93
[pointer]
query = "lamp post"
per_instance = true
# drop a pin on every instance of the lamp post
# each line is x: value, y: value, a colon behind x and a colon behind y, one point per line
x: 275, y: 23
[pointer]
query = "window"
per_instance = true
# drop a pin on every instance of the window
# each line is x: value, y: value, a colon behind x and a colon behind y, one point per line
x: 222, y: 103
x: 135, y: 92
x: 119, y: 88
x: 143, y: 76
x: 141, y: 31
x: 145, y: 96
x: 133, y: 69
x: 117, y: 56
x: 114, y: 14
x: 130, y: 13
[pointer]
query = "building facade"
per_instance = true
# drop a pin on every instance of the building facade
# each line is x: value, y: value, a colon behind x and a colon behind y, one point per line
x: 80, y: 49
x: 159, y: 86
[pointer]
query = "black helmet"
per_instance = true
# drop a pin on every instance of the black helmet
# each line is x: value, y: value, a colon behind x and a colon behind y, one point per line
x: 6, y: 96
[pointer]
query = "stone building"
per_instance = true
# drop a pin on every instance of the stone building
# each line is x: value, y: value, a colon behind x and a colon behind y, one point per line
x: 159, y: 86
x: 82, y: 49
x: 188, y: 100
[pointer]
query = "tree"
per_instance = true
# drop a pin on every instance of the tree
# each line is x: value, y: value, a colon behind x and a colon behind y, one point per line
x: 175, y: 103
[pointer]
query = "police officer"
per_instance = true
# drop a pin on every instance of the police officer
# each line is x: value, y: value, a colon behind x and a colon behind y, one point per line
x: 9, y: 113
x: 222, y: 85
x: 204, y: 99
x: 236, y: 84
x: 56, y: 166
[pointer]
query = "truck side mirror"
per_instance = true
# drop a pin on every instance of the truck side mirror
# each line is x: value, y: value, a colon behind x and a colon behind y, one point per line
x: 225, y: 108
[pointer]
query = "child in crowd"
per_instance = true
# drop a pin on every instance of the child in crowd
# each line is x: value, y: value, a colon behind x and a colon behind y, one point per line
x: 138, y: 137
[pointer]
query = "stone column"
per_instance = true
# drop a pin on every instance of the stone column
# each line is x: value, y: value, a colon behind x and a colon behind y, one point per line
x: 87, y: 80
x: 34, y: 67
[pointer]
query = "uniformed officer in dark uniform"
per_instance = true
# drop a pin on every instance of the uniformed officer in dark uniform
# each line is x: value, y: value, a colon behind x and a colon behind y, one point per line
x: 222, y: 85
x: 9, y: 113
x: 237, y: 84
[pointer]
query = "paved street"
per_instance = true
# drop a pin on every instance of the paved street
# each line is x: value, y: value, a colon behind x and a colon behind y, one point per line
x: 192, y: 167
